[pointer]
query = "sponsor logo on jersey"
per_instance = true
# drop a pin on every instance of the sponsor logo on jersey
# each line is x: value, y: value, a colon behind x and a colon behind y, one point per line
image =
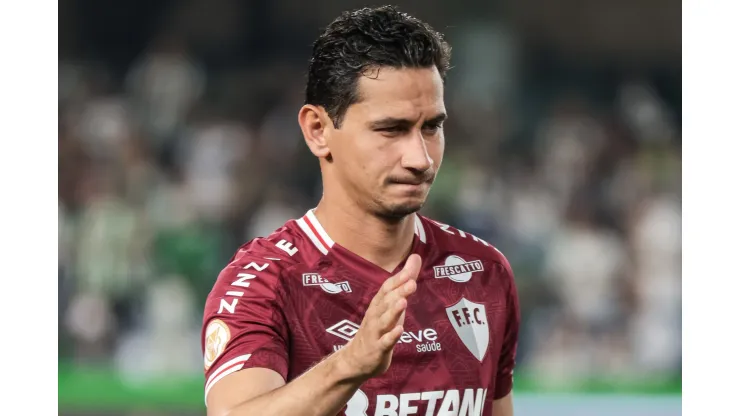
x: 315, y: 279
x: 470, y: 322
x: 457, y: 269
x: 243, y: 281
x: 217, y: 336
x: 357, y: 404
x: 467, y: 402
x: 425, y: 340
x: 344, y: 329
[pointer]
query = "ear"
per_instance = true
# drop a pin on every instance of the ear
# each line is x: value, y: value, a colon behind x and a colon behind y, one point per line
x: 315, y: 125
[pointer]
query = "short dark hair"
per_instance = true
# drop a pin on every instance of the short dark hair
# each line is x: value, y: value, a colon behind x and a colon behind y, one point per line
x: 363, y: 40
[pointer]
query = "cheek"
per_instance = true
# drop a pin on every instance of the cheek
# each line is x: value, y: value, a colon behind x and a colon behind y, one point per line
x: 436, y: 149
x: 360, y: 163
x: 375, y: 155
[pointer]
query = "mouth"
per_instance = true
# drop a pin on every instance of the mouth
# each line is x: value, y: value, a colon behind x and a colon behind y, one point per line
x: 413, y: 186
x: 412, y: 182
x: 409, y: 183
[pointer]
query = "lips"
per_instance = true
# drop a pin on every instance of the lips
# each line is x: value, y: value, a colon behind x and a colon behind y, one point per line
x: 414, y: 183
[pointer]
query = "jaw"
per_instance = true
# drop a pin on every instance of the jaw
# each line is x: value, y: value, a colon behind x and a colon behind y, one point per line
x: 399, y: 205
x: 400, y: 211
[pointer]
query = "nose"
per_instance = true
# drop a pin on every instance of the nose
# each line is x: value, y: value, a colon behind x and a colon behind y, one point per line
x: 415, y: 155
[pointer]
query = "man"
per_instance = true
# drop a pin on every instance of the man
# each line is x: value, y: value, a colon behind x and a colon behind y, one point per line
x: 362, y: 306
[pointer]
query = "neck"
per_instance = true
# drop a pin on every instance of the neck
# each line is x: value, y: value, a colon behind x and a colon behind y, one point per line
x: 382, y: 242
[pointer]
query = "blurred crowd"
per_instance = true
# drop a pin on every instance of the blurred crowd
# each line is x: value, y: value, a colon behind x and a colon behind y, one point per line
x: 168, y: 164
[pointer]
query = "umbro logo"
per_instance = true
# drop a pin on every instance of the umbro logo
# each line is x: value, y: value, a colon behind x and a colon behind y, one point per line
x: 315, y: 279
x: 344, y: 329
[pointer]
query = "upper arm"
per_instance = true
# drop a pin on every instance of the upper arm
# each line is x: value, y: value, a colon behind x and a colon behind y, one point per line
x: 503, y: 406
x: 244, y: 328
x: 507, y: 357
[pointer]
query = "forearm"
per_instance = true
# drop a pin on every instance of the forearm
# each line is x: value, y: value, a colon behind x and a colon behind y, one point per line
x: 321, y: 391
x: 503, y: 406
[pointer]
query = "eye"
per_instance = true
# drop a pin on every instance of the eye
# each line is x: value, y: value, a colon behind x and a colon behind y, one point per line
x: 392, y: 130
x: 432, y: 128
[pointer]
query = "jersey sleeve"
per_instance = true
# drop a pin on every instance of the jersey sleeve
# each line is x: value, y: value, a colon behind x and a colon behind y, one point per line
x: 243, y: 323
x: 505, y: 373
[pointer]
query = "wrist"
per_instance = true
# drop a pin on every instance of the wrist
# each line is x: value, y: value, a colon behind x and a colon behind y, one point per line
x: 346, y: 368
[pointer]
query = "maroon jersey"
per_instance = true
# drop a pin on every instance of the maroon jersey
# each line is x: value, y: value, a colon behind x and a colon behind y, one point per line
x: 286, y: 301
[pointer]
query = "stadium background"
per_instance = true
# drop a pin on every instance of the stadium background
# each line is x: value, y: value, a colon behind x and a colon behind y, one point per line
x: 178, y: 141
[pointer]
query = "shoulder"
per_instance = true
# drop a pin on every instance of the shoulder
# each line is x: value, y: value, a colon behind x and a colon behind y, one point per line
x: 287, y: 246
x: 256, y: 268
x: 449, y: 239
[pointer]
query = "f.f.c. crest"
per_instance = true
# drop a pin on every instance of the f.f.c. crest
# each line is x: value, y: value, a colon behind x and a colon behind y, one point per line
x: 471, y: 324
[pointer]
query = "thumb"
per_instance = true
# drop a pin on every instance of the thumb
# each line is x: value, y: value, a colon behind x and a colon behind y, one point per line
x: 412, y: 267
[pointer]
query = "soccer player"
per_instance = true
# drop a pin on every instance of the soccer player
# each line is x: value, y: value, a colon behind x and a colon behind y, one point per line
x: 363, y: 306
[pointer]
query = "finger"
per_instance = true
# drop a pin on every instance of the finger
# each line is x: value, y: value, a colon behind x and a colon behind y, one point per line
x: 393, y: 282
x: 408, y: 288
x: 391, y: 315
x: 401, y: 292
x: 380, y: 301
x: 410, y: 271
x: 411, y: 268
x: 390, y: 338
x: 386, y: 303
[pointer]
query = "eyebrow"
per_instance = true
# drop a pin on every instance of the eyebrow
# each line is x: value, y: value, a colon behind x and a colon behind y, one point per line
x: 404, y: 122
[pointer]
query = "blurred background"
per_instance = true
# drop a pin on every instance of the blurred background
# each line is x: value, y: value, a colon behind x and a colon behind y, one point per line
x: 178, y: 142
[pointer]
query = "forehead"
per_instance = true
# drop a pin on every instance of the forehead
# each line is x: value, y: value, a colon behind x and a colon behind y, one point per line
x: 403, y: 93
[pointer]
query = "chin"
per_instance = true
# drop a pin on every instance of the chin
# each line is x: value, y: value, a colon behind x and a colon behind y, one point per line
x: 400, y: 210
